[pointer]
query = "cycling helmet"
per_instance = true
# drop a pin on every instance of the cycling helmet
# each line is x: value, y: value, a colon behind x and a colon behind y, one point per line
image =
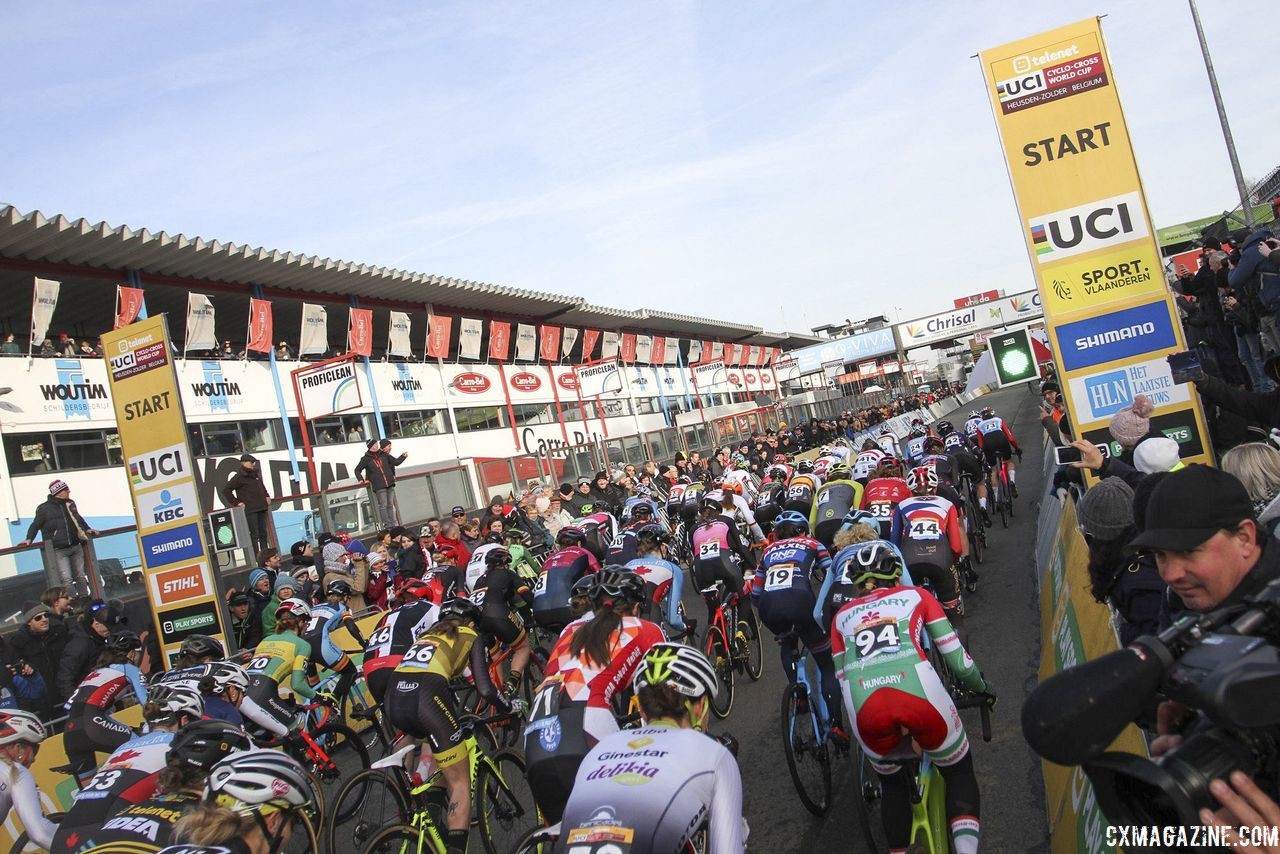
x: 711, y: 501
x: 944, y: 428
x: 202, y: 646
x: 294, y: 607
x: 916, y: 420
x: 173, y: 701
x: 777, y: 474
x: 839, y: 471
x: 923, y: 479
x: 656, y: 531
x: 415, y: 588
x: 203, y: 744
x: 862, y: 517
x: 825, y: 451
x: 987, y: 412
x: 226, y: 674
x: 16, y: 725
x: 780, y: 458
x: 891, y: 462
x: 338, y: 587
x: 731, y: 486
x: 885, y: 431
x: 643, y: 490
x: 460, y: 609
x: 571, y: 535
x: 586, y: 585
x: 518, y: 536
x: 739, y: 462
x: 934, y: 442
x: 793, y: 518
x: 973, y: 413
x: 247, y: 781
x: 618, y: 583
x: 497, y: 557
x: 918, y: 430
x: 682, y: 667
x: 876, y: 559
x: 642, y: 508
x: 805, y: 467
x: 124, y: 641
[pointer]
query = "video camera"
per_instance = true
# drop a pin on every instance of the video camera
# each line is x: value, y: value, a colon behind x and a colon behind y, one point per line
x: 1224, y: 666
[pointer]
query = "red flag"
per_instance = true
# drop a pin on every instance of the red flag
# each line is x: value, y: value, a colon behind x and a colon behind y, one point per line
x: 260, y: 328
x: 628, y: 351
x: 499, y: 340
x: 728, y: 354
x: 438, y: 328
x: 589, y: 339
x: 360, y: 332
x: 549, y: 344
x: 774, y: 354
x: 128, y: 305
x: 658, y: 352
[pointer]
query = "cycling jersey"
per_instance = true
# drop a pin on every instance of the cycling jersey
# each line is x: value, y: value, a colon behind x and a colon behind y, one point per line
x: 652, y: 789
x: 833, y: 502
x: 888, y: 443
x: 185, y: 677
x: 497, y: 594
x: 396, y: 632
x: 560, y: 571
x: 889, y: 684
x: 662, y: 578
x: 325, y: 618
x: 90, y: 727
x: 215, y: 707
x: 476, y: 567
x: 600, y: 529
x: 623, y: 548
x: 745, y: 479
x: 277, y: 674
x: 995, y: 439
x: 915, y: 448
x: 866, y: 463
x: 129, y: 776
x: 800, y: 491
x: 971, y: 426
x: 742, y: 509
x: 444, y: 581
x: 927, y: 530
x: 713, y: 544
x: 769, y: 502
x: 881, y: 497
x: 944, y: 465
x: 141, y: 828
x: 18, y: 792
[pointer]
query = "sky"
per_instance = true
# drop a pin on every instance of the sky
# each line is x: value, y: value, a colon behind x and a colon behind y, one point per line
x: 784, y: 165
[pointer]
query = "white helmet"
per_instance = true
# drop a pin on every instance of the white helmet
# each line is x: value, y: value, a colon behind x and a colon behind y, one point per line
x: 16, y: 725
x: 251, y: 779
x: 294, y: 606
x: 226, y: 674
x: 682, y: 667
x: 173, y: 701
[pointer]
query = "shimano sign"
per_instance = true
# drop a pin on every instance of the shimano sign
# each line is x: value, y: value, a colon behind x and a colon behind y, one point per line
x: 1119, y: 335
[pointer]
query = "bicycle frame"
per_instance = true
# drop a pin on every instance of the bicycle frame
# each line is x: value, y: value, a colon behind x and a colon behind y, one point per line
x: 422, y: 819
x: 813, y: 691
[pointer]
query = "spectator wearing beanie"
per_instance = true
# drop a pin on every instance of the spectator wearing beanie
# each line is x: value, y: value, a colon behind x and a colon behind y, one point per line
x: 337, y: 563
x: 285, y: 588
x: 1131, y: 425
x: 1118, y: 576
x: 260, y: 588
x: 1156, y: 453
x: 376, y: 589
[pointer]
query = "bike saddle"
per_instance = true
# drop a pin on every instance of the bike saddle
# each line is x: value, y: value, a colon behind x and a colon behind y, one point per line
x: 395, y: 760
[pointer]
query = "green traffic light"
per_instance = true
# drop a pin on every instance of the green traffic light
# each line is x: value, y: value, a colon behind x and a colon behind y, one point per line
x: 226, y: 535
x: 1015, y: 363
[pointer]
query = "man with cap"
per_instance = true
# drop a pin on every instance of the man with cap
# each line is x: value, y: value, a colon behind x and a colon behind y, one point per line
x: 1053, y: 412
x: 458, y: 514
x: 60, y: 523
x: 40, y: 643
x: 246, y: 628
x: 581, y: 498
x: 1199, y: 525
x: 246, y: 489
x: 378, y: 468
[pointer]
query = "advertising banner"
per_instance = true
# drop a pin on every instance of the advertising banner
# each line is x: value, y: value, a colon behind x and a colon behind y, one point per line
x: 730, y: 354
x: 44, y: 300
x: 1087, y: 229
x: 567, y: 341
x: 644, y: 348
x: 609, y: 344
x: 658, y: 352
x: 200, y: 334
x: 549, y: 344
x: 260, y: 326
x: 671, y: 353
x: 976, y: 299
x: 328, y: 388
x: 469, y: 333
x: 315, y: 330
x: 717, y: 351
x: 499, y: 340
x: 399, y: 334
x: 695, y: 350
x: 599, y: 379
x: 129, y: 303
x: 439, y: 328
x: 963, y: 322
x: 628, y: 350
x: 526, y: 342
x: 710, y: 376
x: 851, y: 348
x: 360, y: 331
x: 162, y: 484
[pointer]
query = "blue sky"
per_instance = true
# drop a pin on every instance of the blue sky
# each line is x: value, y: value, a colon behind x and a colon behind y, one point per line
x: 762, y: 163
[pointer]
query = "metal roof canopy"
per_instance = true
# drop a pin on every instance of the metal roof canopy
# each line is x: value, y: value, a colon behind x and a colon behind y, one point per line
x: 194, y: 263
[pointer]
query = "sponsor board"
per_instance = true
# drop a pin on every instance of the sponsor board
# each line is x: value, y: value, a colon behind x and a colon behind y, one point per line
x: 1058, y: 70
x: 1179, y: 426
x: 469, y: 382
x: 129, y: 362
x: 1106, y: 393
x: 171, y: 586
x: 710, y: 375
x: 568, y: 381
x: 964, y: 322
x: 851, y: 348
x: 1118, y: 275
x: 180, y: 623
x: 170, y: 504
x: 1119, y: 335
x: 74, y: 394
x: 977, y: 299
x: 170, y: 546
x: 1084, y: 228
x: 599, y: 379
x: 525, y: 381
x: 160, y: 466
x: 326, y: 389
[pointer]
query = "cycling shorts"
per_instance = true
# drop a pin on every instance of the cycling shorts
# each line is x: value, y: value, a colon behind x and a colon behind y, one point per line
x: 378, y: 681
x: 91, y: 730
x: 932, y: 721
x: 968, y: 464
x: 787, y: 612
x: 509, y: 628
x: 554, y: 619
x: 945, y: 583
x: 709, y: 570
x: 996, y: 445
x: 422, y: 706
x: 263, y: 705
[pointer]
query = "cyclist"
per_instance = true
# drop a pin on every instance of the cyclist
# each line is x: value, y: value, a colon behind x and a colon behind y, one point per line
x: 916, y: 438
x: 802, y: 487
x: 892, y: 692
x: 396, y: 632
x: 887, y: 442
x: 623, y: 548
x: 662, y: 578
x: 278, y: 672
x: 445, y: 578
x: 560, y: 571
x: 739, y: 473
x: 90, y: 726
x: 477, y: 567
x: 927, y: 530
x: 691, y: 781
x: 769, y: 502
x: 867, y: 461
x: 736, y: 505
x: 148, y: 824
x: 838, y: 495
x: 784, y: 596
x: 573, y: 709
x: 131, y: 774
x: 997, y: 443
x: 248, y: 807
x: 421, y: 704
x: 946, y: 468
x: 188, y: 666
x: 222, y: 685
x: 498, y: 594
x: 20, y: 736
x: 716, y: 542
x: 883, y: 493
x: 971, y: 425
x: 967, y: 461
x: 325, y: 618
x: 598, y: 530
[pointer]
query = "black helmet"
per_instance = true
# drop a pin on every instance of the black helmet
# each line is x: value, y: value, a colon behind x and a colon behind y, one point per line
x: 338, y: 587
x: 202, y: 646
x: 516, y: 535
x: 497, y: 557
x: 944, y: 428
x: 653, y: 529
x: 619, y: 584
x: 586, y: 585
x: 124, y: 641
x: 571, y: 535
x: 204, y: 744
x: 459, y: 608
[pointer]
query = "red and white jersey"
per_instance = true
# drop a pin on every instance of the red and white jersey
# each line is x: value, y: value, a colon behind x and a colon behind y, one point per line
x: 928, y: 519
x: 748, y: 483
x: 882, y: 495
x: 583, y: 680
x: 100, y: 688
x: 867, y: 462
x: 398, y: 630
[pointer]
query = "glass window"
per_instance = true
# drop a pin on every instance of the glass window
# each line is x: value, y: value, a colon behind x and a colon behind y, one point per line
x: 260, y: 435
x: 196, y: 438
x: 616, y: 408
x: 80, y: 450
x: 222, y: 438
x: 29, y: 452
x: 428, y: 422
x: 534, y: 413
x: 328, y: 431
x: 480, y: 418
x: 354, y: 428
x: 115, y: 455
x: 646, y: 406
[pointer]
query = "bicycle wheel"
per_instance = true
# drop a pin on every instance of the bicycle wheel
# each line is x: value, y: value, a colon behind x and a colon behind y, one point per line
x: 539, y: 841
x: 1002, y: 503
x: 302, y: 836
x: 721, y: 657
x: 977, y: 532
x: 866, y: 803
x: 370, y: 800
x: 369, y: 720
x: 402, y: 839
x: 504, y: 802
x: 751, y: 649
x: 808, y: 759
x: 343, y: 748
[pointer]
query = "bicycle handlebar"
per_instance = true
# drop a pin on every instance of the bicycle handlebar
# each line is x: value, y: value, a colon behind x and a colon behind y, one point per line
x: 978, y: 701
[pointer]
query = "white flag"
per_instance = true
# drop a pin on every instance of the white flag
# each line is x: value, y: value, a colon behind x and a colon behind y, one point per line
x: 644, y: 348
x: 43, y: 302
x: 609, y: 345
x: 695, y: 350
x: 315, y: 330
x: 398, y: 334
x: 567, y: 339
x: 672, y: 352
x: 469, y: 334
x: 717, y: 350
x: 200, y: 334
x: 526, y: 342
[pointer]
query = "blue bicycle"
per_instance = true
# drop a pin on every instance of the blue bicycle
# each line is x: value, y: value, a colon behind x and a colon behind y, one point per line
x: 806, y: 735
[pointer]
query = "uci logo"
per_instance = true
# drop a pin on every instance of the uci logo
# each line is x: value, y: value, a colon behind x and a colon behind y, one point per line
x: 1016, y: 87
x: 1064, y: 233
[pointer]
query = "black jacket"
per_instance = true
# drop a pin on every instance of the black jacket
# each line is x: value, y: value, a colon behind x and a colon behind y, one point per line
x: 411, y: 563
x: 1261, y: 408
x: 81, y: 653
x: 44, y: 653
x: 247, y: 632
x: 53, y: 521
x: 379, y: 469
x: 246, y: 487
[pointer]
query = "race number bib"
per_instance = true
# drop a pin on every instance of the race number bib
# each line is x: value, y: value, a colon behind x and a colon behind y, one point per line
x: 797, y: 493
x: 540, y: 586
x: 420, y: 655
x: 881, y: 510
x: 477, y: 597
x: 779, y: 577
x: 872, y: 639
x: 709, y: 550
x: 676, y: 492
x: 924, y: 529
x: 379, y: 638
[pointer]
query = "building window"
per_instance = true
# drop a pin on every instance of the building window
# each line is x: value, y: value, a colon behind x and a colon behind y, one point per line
x: 534, y: 413
x: 480, y: 418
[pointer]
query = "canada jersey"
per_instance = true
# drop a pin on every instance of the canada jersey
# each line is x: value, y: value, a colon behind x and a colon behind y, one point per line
x: 129, y: 776
x: 397, y: 631
x: 866, y: 463
x: 787, y: 565
x: 927, y: 530
x: 100, y: 688
x: 882, y: 496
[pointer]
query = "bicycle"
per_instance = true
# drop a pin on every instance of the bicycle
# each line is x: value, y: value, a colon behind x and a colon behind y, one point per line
x: 358, y: 704
x: 739, y: 652
x: 315, y: 744
x: 806, y: 734
x: 502, y: 803
x: 469, y: 698
x: 977, y: 528
x: 998, y: 489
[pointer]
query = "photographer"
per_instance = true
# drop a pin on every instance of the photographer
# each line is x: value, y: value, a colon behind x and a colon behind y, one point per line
x: 1246, y: 277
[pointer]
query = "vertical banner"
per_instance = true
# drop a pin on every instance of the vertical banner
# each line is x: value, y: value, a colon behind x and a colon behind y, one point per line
x: 644, y: 348
x: 717, y: 351
x: 549, y: 344
x: 526, y: 342
x: 438, y: 328
x: 729, y: 353
x: 360, y: 331
x: 260, y: 326
x: 315, y: 330
x: 774, y: 355
x: 200, y: 333
x: 399, y: 334
x: 589, y: 339
x: 469, y: 333
x: 627, y: 348
x: 1088, y: 232
x: 658, y: 352
x: 499, y: 340
x: 162, y: 483
x: 695, y: 350
x: 44, y: 300
x: 608, y: 346
x: 567, y: 340
x: 128, y: 305
x: 672, y: 351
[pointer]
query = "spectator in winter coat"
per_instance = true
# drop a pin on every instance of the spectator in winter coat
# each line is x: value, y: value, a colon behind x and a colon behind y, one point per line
x: 376, y: 591
x: 88, y: 640
x: 260, y: 587
x: 1127, y: 580
x: 284, y: 588
x: 378, y: 467
x: 493, y: 511
x: 413, y: 560
x: 246, y: 627
x: 448, y: 538
x: 246, y: 489
x: 60, y: 523
x: 1255, y: 259
x: 41, y: 645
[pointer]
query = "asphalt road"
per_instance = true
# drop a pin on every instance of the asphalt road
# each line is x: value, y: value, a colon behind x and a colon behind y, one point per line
x: 1003, y: 626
